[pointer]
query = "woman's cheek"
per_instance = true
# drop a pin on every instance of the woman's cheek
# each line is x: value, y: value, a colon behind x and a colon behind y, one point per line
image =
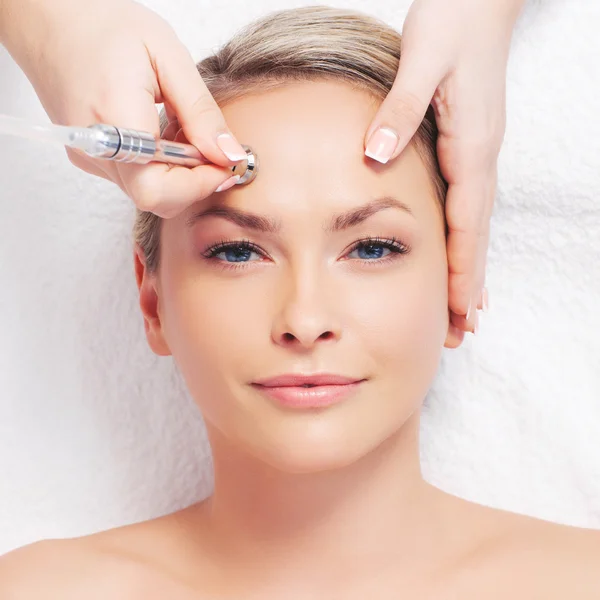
x: 399, y: 312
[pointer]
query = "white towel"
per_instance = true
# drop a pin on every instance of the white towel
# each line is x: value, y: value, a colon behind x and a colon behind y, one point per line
x: 96, y: 431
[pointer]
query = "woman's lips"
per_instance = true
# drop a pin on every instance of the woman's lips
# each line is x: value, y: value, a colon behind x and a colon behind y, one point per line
x: 308, y: 391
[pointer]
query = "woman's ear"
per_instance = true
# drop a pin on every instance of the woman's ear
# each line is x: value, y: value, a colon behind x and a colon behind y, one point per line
x: 149, y: 304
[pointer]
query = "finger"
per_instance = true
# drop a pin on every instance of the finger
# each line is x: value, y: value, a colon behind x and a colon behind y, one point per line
x: 468, y: 211
x: 457, y: 332
x: 196, y: 110
x: 458, y: 321
x: 167, y: 190
x: 403, y: 110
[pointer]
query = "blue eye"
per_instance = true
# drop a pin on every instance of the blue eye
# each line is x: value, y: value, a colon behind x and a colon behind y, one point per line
x: 369, y: 251
x: 232, y: 252
x: 375, y: 248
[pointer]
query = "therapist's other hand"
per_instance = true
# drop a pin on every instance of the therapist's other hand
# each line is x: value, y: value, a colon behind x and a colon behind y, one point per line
x: 110, y: 61
x: 454, y: 56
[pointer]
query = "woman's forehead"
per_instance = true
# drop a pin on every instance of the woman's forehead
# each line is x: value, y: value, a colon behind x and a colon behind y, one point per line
x: 311, y: 134
x: 328, y: 113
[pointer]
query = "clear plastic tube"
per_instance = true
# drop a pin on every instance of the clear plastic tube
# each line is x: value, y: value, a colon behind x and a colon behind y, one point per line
x: 76, y: 137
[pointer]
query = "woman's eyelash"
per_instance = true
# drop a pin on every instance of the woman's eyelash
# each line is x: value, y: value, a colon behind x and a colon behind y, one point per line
x: 231, y: 245
x: 395, y: 246
x: 392, y: 244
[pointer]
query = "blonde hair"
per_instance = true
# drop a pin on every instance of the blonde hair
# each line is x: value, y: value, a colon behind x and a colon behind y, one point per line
x: 303, y: 44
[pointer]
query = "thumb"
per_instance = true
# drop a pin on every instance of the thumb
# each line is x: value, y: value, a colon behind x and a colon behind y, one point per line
x: 197, y: 112
x: 402, y: 111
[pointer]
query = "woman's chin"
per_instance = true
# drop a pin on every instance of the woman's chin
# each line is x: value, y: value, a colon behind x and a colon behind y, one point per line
x: 306, y: 453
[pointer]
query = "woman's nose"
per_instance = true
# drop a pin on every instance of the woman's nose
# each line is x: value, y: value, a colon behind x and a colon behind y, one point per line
x: 306, y: 317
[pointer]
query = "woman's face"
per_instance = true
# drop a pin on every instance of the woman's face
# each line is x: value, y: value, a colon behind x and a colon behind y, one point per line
x: 342, y: 281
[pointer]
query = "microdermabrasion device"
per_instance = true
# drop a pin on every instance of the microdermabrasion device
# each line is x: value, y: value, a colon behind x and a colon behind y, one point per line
x: 124, y: 145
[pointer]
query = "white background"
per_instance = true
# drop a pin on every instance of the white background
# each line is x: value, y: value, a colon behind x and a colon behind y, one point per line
x: 96, y: 431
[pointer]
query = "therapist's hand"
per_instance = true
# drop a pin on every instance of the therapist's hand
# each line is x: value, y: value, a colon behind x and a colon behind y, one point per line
x: 454, y: 56
x: 110, y: 61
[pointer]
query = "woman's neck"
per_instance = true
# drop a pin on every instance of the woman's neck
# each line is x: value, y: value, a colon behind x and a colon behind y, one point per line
x: 377, y: 510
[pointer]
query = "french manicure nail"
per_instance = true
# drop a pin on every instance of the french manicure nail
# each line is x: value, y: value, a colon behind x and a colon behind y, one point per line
x: 382, y: 144
x: 469, y: 309
x: 476, y: 326
x: 228, y: 183
x: 484, y: 300
x: 231, y: 147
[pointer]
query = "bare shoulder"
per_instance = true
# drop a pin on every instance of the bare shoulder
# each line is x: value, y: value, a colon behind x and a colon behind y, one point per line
x: 568, y: 556
x: 53, y: 569
x: 124, y: 563
x: 534, y: 558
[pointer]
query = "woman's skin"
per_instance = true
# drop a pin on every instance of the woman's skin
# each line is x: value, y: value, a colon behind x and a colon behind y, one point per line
x: 324, y: 503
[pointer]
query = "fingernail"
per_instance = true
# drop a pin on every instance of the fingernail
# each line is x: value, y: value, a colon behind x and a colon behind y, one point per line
x: 231, y: 147
x: 476, y: 326
x: 382, y: 144
x: 228, y: 183
x: 484, y: 300
x: 469, y: 309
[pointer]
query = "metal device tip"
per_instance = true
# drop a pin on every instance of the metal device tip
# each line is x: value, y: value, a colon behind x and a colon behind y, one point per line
x: 246, y: 169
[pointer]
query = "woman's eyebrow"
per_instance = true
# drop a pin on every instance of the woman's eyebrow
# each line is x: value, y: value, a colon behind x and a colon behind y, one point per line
x: 264, y: 224
x: 357, y: 215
